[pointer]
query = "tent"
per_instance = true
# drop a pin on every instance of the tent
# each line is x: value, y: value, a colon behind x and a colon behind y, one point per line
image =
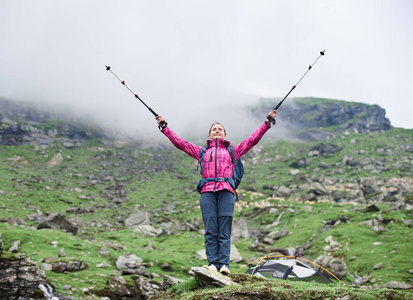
x: 289, y: 267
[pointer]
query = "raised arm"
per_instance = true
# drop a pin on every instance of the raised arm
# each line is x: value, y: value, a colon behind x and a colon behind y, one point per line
x: 189, y: 148
x: 246, y: 145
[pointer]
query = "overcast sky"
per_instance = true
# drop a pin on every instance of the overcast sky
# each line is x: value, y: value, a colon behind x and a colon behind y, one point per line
x: 195, y: 62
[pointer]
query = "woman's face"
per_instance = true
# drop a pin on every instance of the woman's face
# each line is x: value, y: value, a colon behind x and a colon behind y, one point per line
x: 217, y: 131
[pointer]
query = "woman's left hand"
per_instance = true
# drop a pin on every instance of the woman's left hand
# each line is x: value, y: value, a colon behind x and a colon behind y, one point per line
x: 272, y: 114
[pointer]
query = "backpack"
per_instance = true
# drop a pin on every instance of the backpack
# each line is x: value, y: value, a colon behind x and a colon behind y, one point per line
x: 237, y: 171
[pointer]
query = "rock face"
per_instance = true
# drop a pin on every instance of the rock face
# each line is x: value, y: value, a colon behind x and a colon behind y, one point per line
x: 19, y: 278
x: 310, y: 114
x: 23, y: 123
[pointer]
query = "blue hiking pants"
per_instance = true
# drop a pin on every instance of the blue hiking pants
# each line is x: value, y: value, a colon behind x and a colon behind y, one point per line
x: 217, y: 212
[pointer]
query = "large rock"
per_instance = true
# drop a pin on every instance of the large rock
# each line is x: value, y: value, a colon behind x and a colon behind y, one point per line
x: 240, y: 229
x: 397, y: 285
x: 207, y: 278
x: 137, y: 218
x: 334, y: 265
x: 369, y: 187
x: 72, y: 266
x: 59, y: 222
x: 169, y: 281
x: 129, y: 263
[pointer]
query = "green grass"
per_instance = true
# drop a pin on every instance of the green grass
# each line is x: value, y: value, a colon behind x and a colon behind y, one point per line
x: 156, y: 177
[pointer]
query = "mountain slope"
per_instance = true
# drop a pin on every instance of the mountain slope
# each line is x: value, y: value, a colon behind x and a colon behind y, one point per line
x: 315, y: 189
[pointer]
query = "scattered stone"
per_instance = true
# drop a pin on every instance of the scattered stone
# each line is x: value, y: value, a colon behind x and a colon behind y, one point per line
x: 378, y: 229
x: 62, y: 252
x: 55, y: 161
x: 166, y: 267
x: 15, y: 247
x: 147, y: 230
x: 109, y: 244
x: 397, y: 285
x: 352, y: 258
x: 169, y: 281
x: 105, y: 252
x: 371, y: 208
x: 378, y: 266
x: 103, y: 265
x: 377, y: 243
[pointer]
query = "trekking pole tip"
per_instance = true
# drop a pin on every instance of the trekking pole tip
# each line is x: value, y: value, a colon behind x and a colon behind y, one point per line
x: 322, y: 52
x: 107, y: 68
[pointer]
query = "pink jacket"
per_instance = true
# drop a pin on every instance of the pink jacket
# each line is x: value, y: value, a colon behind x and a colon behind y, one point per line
x: 217, y: 159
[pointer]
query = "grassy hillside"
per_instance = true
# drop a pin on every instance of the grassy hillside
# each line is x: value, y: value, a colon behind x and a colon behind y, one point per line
x: 98, y: 185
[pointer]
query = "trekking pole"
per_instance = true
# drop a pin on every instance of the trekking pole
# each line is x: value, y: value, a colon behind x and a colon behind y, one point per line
x: 294, y: 86
x: 163, y: 123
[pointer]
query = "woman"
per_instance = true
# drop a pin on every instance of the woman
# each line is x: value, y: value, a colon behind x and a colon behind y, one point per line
x: 217, y: 197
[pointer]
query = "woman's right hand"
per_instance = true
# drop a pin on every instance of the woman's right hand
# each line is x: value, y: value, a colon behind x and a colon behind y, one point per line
x: 161, y: 121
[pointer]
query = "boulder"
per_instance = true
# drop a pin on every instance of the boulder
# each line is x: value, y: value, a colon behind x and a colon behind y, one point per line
x: 72, y: 266
x: 207, y: 278
x: 128, y: 262
x: 334, y: 265
x: 120, y: 287
x: 59, y: 222
x: 240, y: 229
x: 137, y: 218
x: 169, y: 281
x: 369, y: 187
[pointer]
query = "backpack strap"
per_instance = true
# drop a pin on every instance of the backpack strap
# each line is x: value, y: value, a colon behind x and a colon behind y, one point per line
x: 201, y: 157
x: 231, y: 151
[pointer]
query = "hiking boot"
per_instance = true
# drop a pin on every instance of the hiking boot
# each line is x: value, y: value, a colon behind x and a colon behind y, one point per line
x: 225, y: 270
x: 211, y: 268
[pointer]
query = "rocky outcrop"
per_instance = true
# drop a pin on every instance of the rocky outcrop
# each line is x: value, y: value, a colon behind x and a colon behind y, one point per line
x: 19, y: 278
x: 23, y: 123
x: 315, y: 118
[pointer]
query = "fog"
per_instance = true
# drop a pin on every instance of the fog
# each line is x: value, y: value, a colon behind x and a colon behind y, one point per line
x: 196, y: 62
